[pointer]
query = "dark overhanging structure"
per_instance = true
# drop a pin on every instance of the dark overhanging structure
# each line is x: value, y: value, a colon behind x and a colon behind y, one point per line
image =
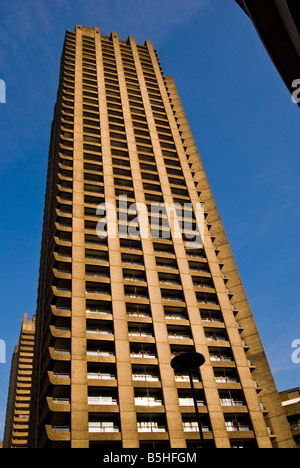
x: 277, y: 23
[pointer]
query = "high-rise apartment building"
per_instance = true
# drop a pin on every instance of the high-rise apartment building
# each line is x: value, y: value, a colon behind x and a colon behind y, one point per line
x: 114, y: 306
x: 19, y: 393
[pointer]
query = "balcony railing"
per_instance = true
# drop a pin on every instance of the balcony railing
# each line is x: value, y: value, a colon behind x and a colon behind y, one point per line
x: 150, y: 427
x: 62, y: 351
x: 185, y: 378
x: 179, y: 336
x: 103, y: 427
x: 136, y: 296
x: 61, y: 428
x: 63, y: 401
x: 193, y: 427
x: 230, y: 402
x: 137, y: 314
x: 98, y: 292
x: 215, y: 338
x: 100, y: 332
x: 203, y: 301
x: 100, y: 375
x: 176, y: 316
x: 236, y: 426
x: 102, y: 400
x: 225, y: 358
x: 145, y: 377
x: 61, y: 375
x: 94, y: 310
x: 190, y: 402
x: 140, y: 333
x: 143, y: 354
x: 99, y: 353
x: 225, y: 379
x: 147, y: 401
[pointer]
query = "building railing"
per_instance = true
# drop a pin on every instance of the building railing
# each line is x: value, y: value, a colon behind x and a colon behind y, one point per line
x: 150, y: 426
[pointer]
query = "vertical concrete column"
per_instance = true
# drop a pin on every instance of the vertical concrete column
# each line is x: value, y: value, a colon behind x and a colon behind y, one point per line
x: 79, y: 398
x: 122, y: 350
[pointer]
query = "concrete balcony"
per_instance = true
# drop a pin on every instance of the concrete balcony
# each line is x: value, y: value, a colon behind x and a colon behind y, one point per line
x: 58, y: 433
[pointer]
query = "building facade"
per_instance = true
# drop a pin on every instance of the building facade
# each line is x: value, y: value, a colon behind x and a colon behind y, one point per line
x: 119, y: 297
x: 19, y: 394
x: 290, y: 400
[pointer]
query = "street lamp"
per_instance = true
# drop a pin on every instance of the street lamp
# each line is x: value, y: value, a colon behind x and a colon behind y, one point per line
x: 189, y: 362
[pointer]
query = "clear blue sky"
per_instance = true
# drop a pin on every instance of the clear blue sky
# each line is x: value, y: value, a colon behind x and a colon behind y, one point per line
x: 242, y: 118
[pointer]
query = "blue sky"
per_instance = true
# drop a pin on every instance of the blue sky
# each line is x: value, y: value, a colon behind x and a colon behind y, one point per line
x: 241, y: 115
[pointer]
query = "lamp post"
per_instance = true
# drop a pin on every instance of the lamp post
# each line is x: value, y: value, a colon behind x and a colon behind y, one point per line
x: 189, y: 362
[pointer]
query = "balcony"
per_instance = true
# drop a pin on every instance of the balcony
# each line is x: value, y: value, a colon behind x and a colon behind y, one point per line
x: 97, y: 291
x: 172, y: 295
x: 175, y: 316
x: 98, y: 274
x: 102, y: 333
x: 64, y: 352
x: 102, y: 400
x: 214, y: 336
x: 129, y: 259
x: 184, y: 378
x: 98, y: 308
x: 131, y: 295
x: 64, y: 403
x: 136, y: 292
x: 103, y: 427
x: 220, y: 358
x: 147, y: 401
x: 166, y: 263
x: 59, y: 378
x: 140, y: 377
x: 212, y: 317
x: 136, y: 276
x: 179, y: 334
x: 207, y: 301
x: 236, y: 426
x: 142, y: 355
x: 140, y: 333
x: 99, y: 352
x: 187, y: 401
x: 226, y: 379
x: 59, y: 433
x: 96, y: 256
x: 150, y: 426
x: 192, y: 426
x: 136, y: 314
